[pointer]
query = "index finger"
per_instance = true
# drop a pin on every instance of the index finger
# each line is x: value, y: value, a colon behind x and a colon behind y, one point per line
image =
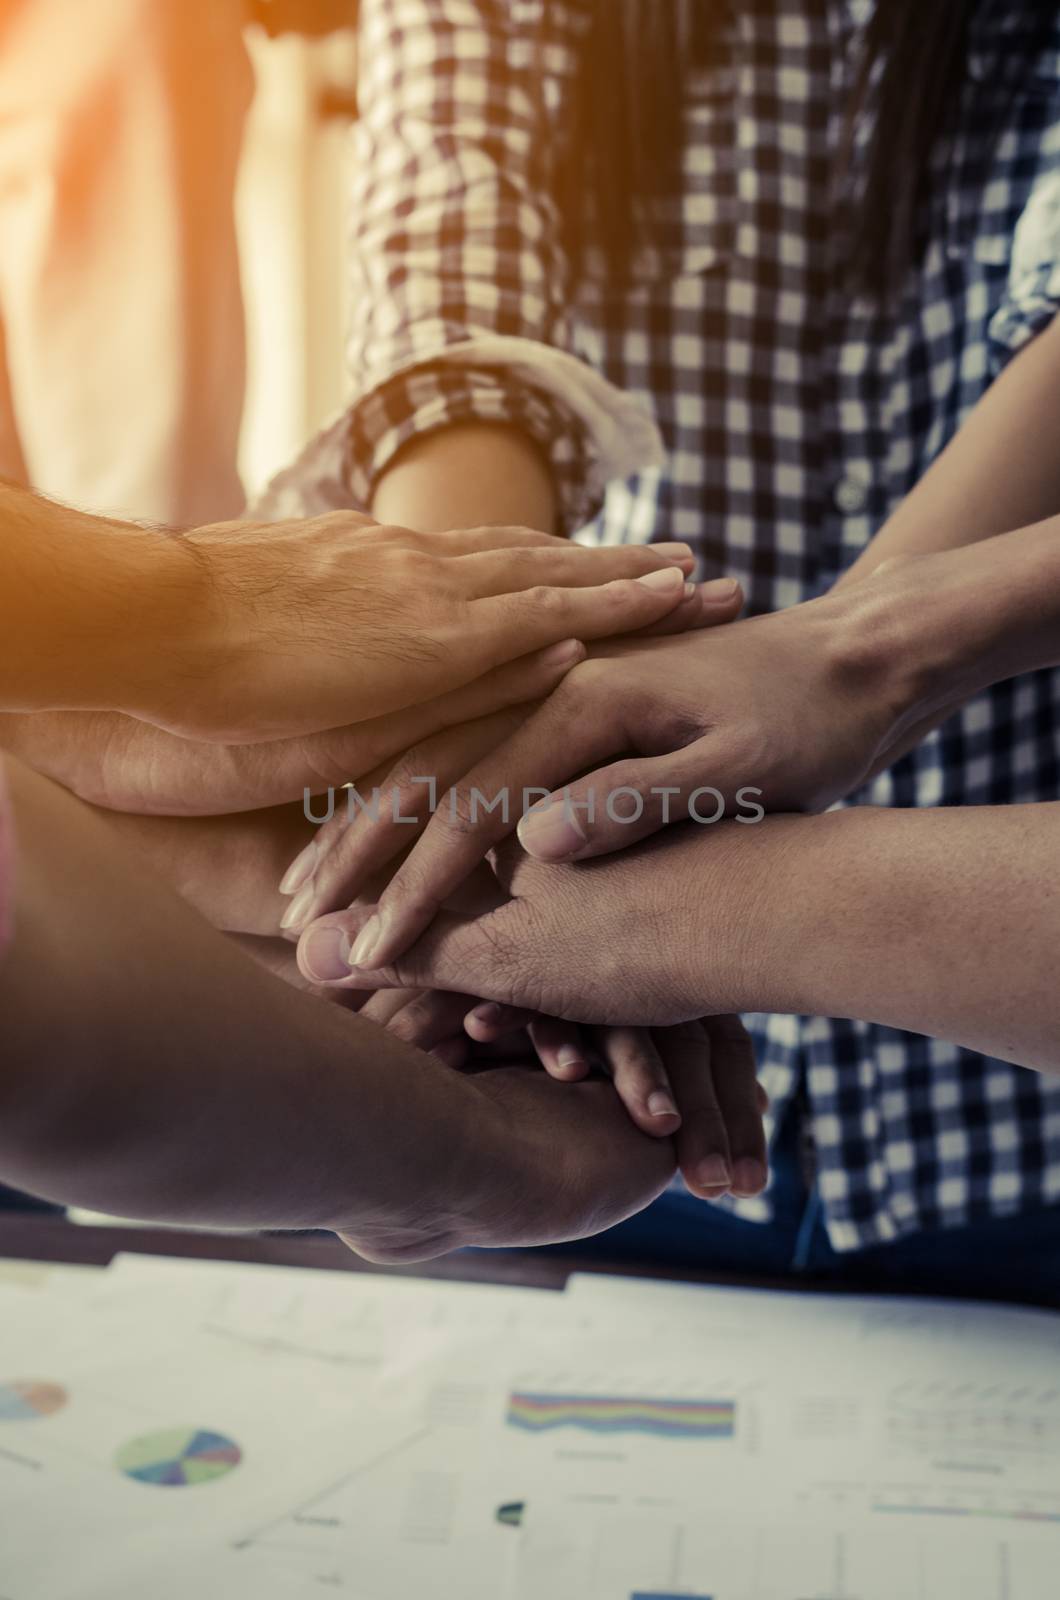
x: 569, y: 732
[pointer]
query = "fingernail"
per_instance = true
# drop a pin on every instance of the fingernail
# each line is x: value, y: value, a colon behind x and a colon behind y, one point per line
x: 661, y: 1104
x: 369, y: 938
x: 719, y: 589
x: 300, y: 869
x: 569, y: 1058
x: 680, y: 554
x: 326, y: 953
x: 487, y: 1014
x: 666, y: 580
x: 551, y: 834
x: 690, y: 591
x: 748, y: 1176
x: 713, y: 1173
x: 295, y: 914
x: 569, y: 650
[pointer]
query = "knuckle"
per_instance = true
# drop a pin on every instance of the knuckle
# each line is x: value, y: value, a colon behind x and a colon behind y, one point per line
x: 589, y: 680
x: 463, y: 815
x: 411, y: 888
x: 632, y: 775
x: 545, y: 600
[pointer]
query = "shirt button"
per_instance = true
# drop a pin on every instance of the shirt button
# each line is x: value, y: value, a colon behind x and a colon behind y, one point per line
x: 851, y: 496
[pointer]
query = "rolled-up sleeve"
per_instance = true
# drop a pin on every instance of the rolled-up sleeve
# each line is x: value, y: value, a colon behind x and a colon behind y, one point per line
x: 460, y: 286
x: 1032, y: 296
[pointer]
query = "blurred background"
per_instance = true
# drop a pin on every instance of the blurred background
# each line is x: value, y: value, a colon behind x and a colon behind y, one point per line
x: 291, y: 215
x: 172, y: 214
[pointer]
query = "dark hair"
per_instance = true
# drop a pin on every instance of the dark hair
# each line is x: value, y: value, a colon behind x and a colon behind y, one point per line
x: 627, y: 138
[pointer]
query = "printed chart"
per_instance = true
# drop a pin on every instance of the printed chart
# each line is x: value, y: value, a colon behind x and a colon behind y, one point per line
x: 23, y: 1400
x: 662, y: 1418
x: 178, y: 1457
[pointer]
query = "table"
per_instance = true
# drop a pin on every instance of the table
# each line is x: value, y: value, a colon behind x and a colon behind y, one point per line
x: 35, y: 1236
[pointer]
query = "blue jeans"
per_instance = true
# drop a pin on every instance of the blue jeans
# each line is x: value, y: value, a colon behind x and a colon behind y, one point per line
x: 1004, y: 1258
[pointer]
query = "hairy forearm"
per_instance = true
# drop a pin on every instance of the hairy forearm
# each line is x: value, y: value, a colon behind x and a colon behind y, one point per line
x: 151, y: 1070
x: 91, y: 610
x: 1001, y: 471
x: 941, y: 922
x: 468, y: 476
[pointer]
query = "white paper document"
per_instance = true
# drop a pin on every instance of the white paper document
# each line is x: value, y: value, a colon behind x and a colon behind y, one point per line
x: 170, y: 1428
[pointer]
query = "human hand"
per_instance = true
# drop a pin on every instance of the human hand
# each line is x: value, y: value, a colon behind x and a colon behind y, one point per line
x: 353, y: 853
x: 653, y: 936
x: 314, y: 624
x: 123, y: 764
x: 788, y: 711
x: 539, y: 1163
x: 695, y: 1083
x: 223, y: 866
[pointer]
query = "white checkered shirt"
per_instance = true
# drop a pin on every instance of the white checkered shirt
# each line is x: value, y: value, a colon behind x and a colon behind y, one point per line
x: 794, y: 417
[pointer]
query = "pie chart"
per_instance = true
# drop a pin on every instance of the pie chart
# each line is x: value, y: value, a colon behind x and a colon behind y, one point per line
x: 25, y: 1399
x: 177, y: 1458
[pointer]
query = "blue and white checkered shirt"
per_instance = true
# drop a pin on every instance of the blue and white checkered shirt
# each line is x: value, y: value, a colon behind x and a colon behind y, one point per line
x: 794, y: 418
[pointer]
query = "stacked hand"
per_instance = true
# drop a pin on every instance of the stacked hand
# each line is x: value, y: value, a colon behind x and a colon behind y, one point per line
x: 694, y: 1082
x: 308, y: 625
x: 789, y: 711
x: 783, y: 712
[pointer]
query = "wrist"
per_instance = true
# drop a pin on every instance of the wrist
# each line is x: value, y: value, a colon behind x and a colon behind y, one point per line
x: 915, y: 637
x: 162, y: 652
x: 91, y: 607
x: 755, y: 915
x: 132, y: 643
x: 427, y: 1182
x: 940, y: 628
x: 467, y: 475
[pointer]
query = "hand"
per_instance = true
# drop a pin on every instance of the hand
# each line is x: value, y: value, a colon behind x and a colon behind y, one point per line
x: 318, y: 624
x: 223, y: 866
x: 265, y: 1107
x: 695, y: 1083
x: 354, y: 851
x: 788, y: 711
x: 651, y: 937
x: 124, y: 764
x: 544, y: 1162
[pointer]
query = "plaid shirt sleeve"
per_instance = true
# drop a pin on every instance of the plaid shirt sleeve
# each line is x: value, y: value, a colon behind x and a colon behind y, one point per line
x: 460, y: 284
x: 1032, y: 298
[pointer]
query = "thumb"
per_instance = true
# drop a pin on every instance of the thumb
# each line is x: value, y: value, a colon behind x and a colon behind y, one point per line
x: 455, y: 953
x: 618, y: 805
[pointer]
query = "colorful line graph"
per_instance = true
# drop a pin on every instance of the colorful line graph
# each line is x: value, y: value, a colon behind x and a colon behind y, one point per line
x: 24, y: 1400
x: 664, y: 1418
x: 994, y: 1513
x: 178, y: 1457
x: 652, y: 1594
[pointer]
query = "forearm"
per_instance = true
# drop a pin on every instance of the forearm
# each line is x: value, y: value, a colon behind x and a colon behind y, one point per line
x: 941, y: 922
x: 938, y: 630
x: 1001, y: 471
x: 91, y: 610
x: 150, y: 1070
x: 470, y: 475
x: 227, y: 867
